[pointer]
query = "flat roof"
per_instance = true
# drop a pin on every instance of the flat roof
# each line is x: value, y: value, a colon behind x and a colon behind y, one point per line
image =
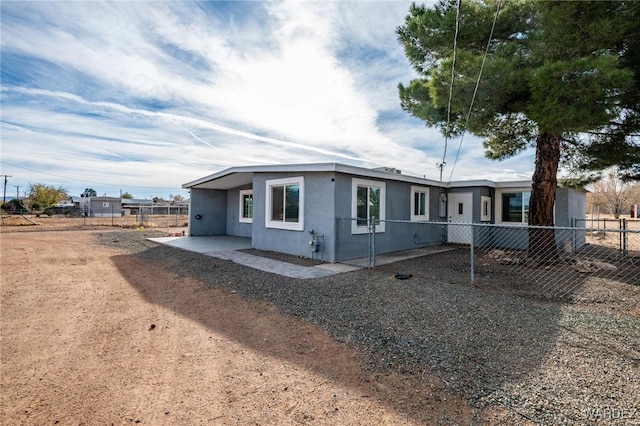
x: 235, y: 177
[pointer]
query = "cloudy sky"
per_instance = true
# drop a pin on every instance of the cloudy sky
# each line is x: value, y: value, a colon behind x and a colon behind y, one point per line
x: 145, y: 96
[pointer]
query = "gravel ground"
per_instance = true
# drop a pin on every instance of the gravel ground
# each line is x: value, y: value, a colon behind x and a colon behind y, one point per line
x: 546, y: 362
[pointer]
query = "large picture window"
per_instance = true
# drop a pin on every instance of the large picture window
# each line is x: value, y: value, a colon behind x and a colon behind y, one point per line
x: 515, y: 207
x: 419, y: 203
x: 285, y: 203
x: 246, y: 205
x: 368, y: 199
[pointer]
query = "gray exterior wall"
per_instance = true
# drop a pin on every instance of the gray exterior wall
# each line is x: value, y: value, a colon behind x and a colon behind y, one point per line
x: 477, y: 192
x: 234, y: 226
x: 96, y: 208
x: 570, y: 205
x: 397, y: 236
x: 211, y: 205
x: 328, y: 198
x: 319, y: 208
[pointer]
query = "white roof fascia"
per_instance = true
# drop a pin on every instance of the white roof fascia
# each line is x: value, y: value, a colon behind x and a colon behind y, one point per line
x: 314, y: 167
x: 379, y: 174
x: 467, y: 183
x: 491, y: 184
x: 262, y: 169
x: 514, y: 184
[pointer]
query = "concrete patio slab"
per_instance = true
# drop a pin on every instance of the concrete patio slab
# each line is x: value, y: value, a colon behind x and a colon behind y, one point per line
x: 226, y: 247
x: 338, y: 268
x: 206, y: 244
x: 384, y: 259
x: 274, y: 266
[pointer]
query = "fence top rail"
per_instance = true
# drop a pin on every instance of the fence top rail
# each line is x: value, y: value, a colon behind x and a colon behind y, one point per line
x: 603, y: 219
x: 499, y: 225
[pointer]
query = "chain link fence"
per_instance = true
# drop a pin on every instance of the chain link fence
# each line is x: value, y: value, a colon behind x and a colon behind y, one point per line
x: 148, y: 217
x: 578, y: 263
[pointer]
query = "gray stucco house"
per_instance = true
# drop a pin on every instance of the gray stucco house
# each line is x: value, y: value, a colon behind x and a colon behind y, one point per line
x: 319, y: 209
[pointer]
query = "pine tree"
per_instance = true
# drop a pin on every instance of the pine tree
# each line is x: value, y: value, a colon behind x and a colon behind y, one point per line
x: 559, y: 76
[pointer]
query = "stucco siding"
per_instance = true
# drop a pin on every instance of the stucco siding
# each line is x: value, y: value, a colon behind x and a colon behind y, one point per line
x: 397, y: 236
x: 234, y: 226
x: 319, y: 208
x: 477, y: 193
x: 570, y: 205
x: 210, y: 205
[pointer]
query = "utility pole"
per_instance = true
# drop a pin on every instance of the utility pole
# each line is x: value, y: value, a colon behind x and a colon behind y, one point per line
x: 17, y: 191
x: 4, y: 195
x: 440, y: 166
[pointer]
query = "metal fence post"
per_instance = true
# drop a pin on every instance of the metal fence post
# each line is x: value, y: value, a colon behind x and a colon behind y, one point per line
x: 373, y: 240
x: 620, y: 224
x: 471, y: 253
x: 623, y: 237
x: 370, y: 242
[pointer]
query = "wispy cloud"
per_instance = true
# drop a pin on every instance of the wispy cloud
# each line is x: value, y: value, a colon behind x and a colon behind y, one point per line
x: 163, y: 93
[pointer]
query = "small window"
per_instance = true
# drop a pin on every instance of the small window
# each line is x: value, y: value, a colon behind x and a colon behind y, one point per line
x: 285, y: 204
x: 368, y: 201
x: 419, y: 203
x: 246, y: 205
x: 485, y: 212
x: 105, y: 204
x: 460, y: 208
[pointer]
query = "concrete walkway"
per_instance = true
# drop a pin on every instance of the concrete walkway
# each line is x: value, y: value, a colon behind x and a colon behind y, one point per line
x: 226, y: 247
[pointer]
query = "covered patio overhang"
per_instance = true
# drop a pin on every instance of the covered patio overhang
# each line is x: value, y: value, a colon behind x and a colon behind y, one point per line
x: 224, y: 182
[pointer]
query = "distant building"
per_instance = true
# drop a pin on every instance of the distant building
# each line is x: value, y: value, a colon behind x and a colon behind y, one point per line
x: 101, y: 206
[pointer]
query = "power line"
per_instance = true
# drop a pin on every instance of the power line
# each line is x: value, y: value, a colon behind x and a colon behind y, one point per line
x: 475, y: 90
x: 453, y: 73
x: 84, y: 180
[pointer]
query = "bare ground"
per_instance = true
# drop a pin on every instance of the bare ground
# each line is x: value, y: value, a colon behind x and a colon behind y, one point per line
x: 88, y: 341
x: 91, y: 334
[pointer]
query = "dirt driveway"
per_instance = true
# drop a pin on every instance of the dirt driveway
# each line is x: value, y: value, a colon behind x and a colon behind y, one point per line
x: 84, y: 341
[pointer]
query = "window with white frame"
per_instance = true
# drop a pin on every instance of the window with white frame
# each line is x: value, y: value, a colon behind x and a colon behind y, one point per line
x: 419, y: 203
x: 368, y: 200
x: 246, y: 205
x: 105, y: 204
x: 515, y: 207
x: 485, y: 208
x: 285, y: 204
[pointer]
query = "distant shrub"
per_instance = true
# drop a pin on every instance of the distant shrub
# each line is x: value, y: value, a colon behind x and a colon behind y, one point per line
x: 15, y: 206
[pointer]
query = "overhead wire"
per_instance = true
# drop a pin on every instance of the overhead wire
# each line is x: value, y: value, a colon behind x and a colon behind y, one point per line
x: 453, y: 73
x: 475, y: 90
